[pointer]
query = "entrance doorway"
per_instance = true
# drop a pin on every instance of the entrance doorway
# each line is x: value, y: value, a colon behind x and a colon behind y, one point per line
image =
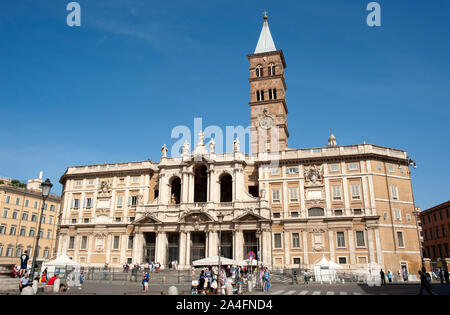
x: 174, y: 246
x: 198, y: 246
x: 150, y: 245
x: 250, y: 243
x: 227, y: 245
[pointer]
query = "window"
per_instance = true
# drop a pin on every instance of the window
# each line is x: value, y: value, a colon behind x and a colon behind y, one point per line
x: 342, y: 260
x: 272, y: 94
x: 119, y: 201
x: 50, y: 220
x: 31, y: 233
x: 17, y: 201
x: 5, y: 213
x: 12, y: 230
x: 275, y: 171
x: 52, y: 208
x: 353, y: 166
x: 292, y: 170
x: 338, y: 212
x: 276, y: 195
x: 18, y: 251
x: 316, y: 212
x: 360, y: 241
x: 118, y: 220
x: 23, y: 231
x: 135, y: 179
x: 443, y: 231
x: 71, y: 242
x: 400, y: 239
x: 294, y: 214
x: 271, y: 69
x: 394, y: 192
x: 43, y: 218
x: 277, y: 237
x: 15, y: 214
x: 27, y: 202
x: 295, y: 240
x: 3, y: 229
x: 91, y: 182
x: 391, y: 168
x: 35, y: 205
x: 46, y: 252
x: 7, y: 199
x: 297, y: 261
x: 88, y: 203
x: 86, y: 220
x: 84, y: 242
x: 259, y: 71
x: 293, y: 194
x: 408, y: 217
x: 116, y: 242
x: 133, y: 201
x: 49, y: 234
x: 76, y: 203
x: 78, y: 183
x: 397, y: 214
x: 25, y: 216
x: 130, y: 242
x: 357, y: 212
x: 33, y: 217
x: 355, y: 191
x: 74, y: 221
x: 336, y: 191
x: 334, y: 168
x: 340, y: 239
x: 9, y: 252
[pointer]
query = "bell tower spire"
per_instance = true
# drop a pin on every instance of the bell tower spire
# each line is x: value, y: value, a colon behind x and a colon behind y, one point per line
x: 268, y: 107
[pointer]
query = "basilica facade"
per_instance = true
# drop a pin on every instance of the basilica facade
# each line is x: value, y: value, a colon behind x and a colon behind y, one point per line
x: 351, y: 204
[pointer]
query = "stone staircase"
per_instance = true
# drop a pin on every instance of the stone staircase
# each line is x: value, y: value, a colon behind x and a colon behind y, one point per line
x: 9, y: 285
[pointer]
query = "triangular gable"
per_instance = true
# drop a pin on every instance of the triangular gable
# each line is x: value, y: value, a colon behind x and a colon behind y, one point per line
x: 148, y: 219
x: 196, y: 216
x: 249, y: 216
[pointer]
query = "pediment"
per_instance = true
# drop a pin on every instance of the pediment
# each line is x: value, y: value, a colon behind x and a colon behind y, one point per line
x: 249, y: 216
x: 195, y: 216
x: 148, y: 219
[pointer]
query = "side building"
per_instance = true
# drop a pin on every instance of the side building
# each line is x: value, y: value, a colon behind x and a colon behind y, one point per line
x: 20, y: 209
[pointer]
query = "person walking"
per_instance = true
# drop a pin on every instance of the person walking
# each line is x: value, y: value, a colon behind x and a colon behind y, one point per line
x: 441, y: 276
x: 446, y: 276
x: 105, y: 271
x: 305, y: 277
x: 145, y: 280
x: 425, y: 282
x: 389, y: 275
x: 266, y: 280
x: 383, y: 279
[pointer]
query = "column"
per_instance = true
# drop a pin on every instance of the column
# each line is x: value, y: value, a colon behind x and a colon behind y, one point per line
x: 191, y: 188
x: 89, y: 246
x: 188, y: 248
x: 286, y: 247
x: 136, y: 250
x: 328, y: 210
x: 108, y: 248
x: 351, y: 246
x: 266, y: 244
x: 305, y: 247
x: 184, y: 187
x: 207, y: 240
x: 380, y: 259
x: 370, y: 246
x: 183, y: 249
x: 213, y: 243
x: 346, y: 196
x: 161, y: 248
x: 239, y: 245
x: 123, y: 248
x: 331, y: 242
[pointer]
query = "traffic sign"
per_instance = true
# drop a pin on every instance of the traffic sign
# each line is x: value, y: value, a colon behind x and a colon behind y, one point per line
x: 251, y: 255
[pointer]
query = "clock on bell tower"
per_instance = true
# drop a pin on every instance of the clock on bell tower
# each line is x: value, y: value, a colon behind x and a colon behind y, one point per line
x: 268, y: 108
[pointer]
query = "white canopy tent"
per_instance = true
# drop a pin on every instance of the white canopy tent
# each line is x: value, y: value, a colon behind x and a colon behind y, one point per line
x: 214, y: 261
x: 248, y: 262
x: 325, y: 270
x: 60, y: 265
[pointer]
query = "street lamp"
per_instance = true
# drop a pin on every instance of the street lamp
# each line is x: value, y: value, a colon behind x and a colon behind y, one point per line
x: 412, y: 163
x: 258, y: 256
x: 46, y: 187
x: 220, y: 219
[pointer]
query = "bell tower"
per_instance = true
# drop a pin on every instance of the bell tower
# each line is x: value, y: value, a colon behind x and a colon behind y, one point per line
x: 268, y: 107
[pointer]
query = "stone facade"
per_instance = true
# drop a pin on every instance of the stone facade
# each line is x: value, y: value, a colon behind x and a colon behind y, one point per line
x: 352, y: 204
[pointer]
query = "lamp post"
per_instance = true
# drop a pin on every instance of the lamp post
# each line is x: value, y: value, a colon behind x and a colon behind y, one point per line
x: 415, y: 212
x: 220, y: 219
x: 258, y: 236
x: 46, y: 187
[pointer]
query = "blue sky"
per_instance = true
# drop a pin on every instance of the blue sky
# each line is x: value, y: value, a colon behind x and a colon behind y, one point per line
x: 113, y: 89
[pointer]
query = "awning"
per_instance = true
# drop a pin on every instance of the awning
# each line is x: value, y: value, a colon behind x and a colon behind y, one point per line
x: 214, y: 261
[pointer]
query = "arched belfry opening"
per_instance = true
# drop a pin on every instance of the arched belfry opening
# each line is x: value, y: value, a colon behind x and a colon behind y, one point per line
x: 201, y: 183
x: 175, y: 191
x: 226, y: 188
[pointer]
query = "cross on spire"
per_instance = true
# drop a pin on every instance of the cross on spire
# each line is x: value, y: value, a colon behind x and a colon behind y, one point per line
x: 265, y: 14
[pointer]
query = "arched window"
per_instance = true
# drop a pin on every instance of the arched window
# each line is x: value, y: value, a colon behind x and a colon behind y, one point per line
x: 262, y: 95
x: 258, y: 96
x: 175, y: 192
x: 274, y: 94
x: 316, y: 212
x: 271, y: 69
x: 259, y: 71
x: 201, y: 183
x: 226, y: 188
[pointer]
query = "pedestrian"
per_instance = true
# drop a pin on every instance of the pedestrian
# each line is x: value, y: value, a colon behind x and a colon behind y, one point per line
x: 44, y: 276
x: 201, y: 282
x: 295, y: 277
x: 446, y: 276
x: 266, y: 279
x: 23, y: 263
x: 425, y: 282
x: 24, y: 282
x: 305, y: 277
x: 383, y: 279
x: 105, y: 271
x: 145, y: 280
x: 51, y: 281
x: 389, y: 276
x: 441, y: 276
